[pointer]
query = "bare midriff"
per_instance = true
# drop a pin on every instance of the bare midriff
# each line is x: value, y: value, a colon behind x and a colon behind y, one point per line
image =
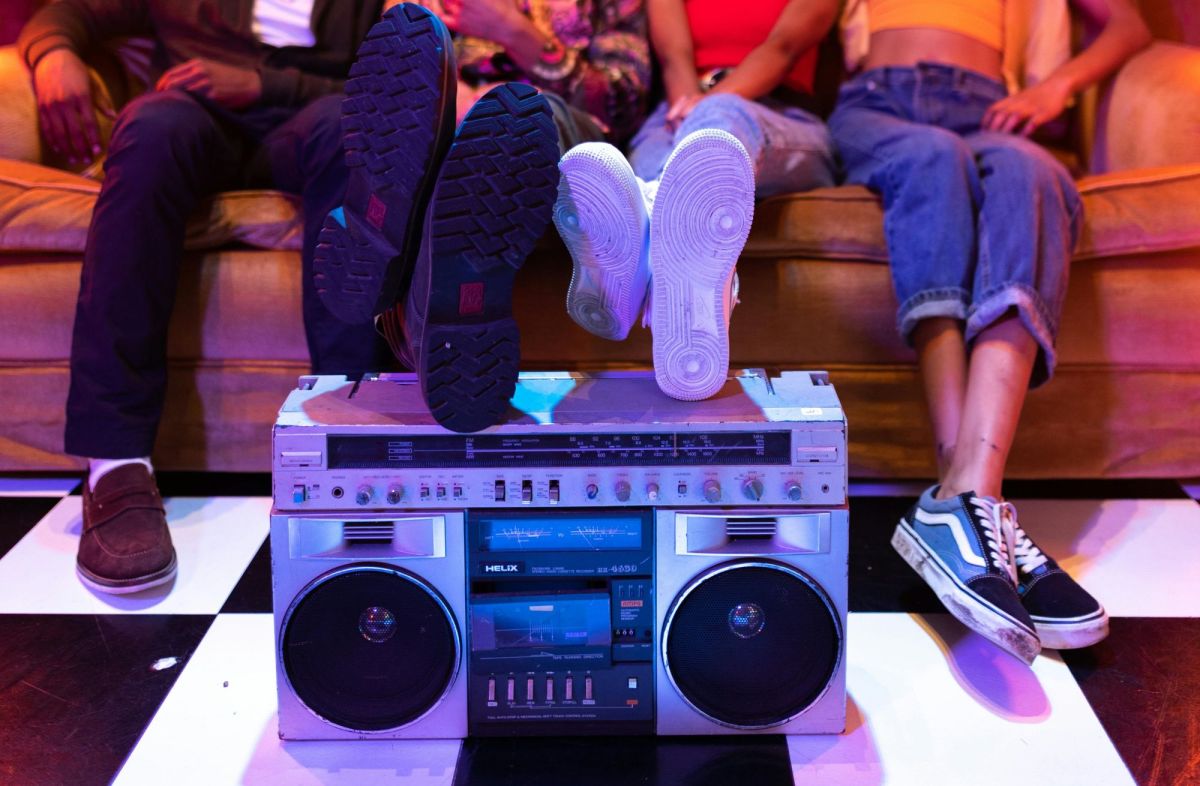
x: 909, y: 46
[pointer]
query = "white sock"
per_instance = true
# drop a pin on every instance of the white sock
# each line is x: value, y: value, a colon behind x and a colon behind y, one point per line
x: 98, y: 468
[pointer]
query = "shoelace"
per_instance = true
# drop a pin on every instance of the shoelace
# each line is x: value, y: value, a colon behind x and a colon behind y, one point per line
x: 999, y: 518
x: 1027, y: 555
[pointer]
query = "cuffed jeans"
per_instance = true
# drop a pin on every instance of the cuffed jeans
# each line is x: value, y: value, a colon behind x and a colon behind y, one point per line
x: 978, y: 223
x: 791, y: 148
x: 168, y: 151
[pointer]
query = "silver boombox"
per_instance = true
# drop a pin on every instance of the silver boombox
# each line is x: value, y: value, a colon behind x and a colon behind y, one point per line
x: 606, y: 561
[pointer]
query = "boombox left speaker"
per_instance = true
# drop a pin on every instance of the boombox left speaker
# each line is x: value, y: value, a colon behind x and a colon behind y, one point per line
x: 751, y: 615
x: 368, y: 626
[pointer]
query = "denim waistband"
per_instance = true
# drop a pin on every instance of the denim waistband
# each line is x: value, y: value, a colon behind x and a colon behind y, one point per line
x: 932, y: 75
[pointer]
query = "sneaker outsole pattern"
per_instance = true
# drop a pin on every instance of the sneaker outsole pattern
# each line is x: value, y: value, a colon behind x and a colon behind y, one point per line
x: 397, y: 122
x: 491, y: 204
x: 601, y: 217
x: 701, y: 219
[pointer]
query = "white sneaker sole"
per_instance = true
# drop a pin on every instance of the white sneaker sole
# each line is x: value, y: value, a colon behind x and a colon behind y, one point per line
x: 701, y: 218
x: 602, y: 219
x: 991, y: 623
x: 1072, y: 635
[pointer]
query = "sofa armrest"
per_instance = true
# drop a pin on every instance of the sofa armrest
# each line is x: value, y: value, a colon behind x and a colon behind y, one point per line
x: 18, y: 110
x: 1149, y: 115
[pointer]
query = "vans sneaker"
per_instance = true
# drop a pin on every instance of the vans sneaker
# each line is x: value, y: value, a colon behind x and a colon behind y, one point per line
x: 1063, y: 613
x: 491, y: 203
x: 698, y: 226
x: 601, y: 216
x: 962, y: 547
x: 398, y: 122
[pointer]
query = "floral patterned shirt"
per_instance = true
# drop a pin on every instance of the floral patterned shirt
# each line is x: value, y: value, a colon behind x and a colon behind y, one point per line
x: 607, y: 38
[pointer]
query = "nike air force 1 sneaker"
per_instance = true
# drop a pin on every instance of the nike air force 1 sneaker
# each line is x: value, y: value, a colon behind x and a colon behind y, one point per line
x: 963, y: 548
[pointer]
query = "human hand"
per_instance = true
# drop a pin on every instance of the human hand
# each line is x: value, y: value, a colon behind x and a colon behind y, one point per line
x: 682, y: 107
x: 1026, y: 111
x: 489, y: 19
x: 226, y: 85
x: 63, y: 91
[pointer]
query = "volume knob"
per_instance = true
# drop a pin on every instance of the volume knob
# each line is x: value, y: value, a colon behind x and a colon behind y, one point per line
x: 793, y: 491
x: 395, y: 494
x: 712, y: 491
x: 652, y: 492
x: 752, y: 488
x: 623, y: 491
x: 364, y: 495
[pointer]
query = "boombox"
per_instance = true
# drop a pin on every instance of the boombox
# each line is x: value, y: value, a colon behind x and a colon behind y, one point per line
x: 606, y: 561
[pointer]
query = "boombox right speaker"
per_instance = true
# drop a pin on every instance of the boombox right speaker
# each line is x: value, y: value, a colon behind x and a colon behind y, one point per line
x: 752, y: 622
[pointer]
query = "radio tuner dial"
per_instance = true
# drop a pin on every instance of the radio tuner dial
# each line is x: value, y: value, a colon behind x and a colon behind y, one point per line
x: 364, y: 495
x: 592, y: 491
x: 395, y: 494
x: 752, y: 488
x: 793, y: 491
x: 623, y: 490
x: 652, y: 492
x: 712, y: 491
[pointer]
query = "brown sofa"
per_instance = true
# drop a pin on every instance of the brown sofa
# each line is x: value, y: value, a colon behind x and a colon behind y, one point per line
x: 815, y: 290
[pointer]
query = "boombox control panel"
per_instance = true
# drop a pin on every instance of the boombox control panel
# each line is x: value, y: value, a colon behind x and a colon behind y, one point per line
x: 363, y: 446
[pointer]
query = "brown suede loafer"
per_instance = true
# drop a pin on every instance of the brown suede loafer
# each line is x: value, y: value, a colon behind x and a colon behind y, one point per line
x: 126, y: 546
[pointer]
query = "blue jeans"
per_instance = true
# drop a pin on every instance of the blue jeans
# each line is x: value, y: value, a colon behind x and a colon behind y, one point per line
x: 978, y: 223
x: 790, y: 147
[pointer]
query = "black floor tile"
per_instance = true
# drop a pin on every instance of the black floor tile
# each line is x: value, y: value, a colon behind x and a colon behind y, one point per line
x: 252, y: 595
x: 621, y: 761
x: 879, y: 579
x: 76, y: 691
x: 214, y: 484
x: 1122, y: 488
x: 1143, y: 682
x: 18, y: 515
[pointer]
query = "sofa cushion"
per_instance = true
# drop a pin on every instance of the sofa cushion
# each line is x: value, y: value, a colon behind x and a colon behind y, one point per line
x: 48, y: 210
x: 1145, y: 210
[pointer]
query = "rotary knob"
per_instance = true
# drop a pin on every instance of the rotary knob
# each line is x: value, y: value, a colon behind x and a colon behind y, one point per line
x: 592, y: 490
x: 792, y: 490
x: 395, y: 494
x: 364, y: 495
x: 712, y: 491
x: 652, y: 492
x: 752, y: 488
x: 623, y: 491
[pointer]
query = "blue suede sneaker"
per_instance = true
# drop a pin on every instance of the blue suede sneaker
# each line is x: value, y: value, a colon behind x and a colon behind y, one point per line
x: 1064, y: 614
x: 963, y: 548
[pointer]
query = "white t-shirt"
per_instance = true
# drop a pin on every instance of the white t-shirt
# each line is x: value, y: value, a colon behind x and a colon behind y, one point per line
x: 284, y: 22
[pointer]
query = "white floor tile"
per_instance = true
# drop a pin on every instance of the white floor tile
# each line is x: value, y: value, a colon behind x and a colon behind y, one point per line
x: 21, y: 486
x: 215, y: 539
x: 217, y: 726
x: 931, y: 702
x: 1137, y: 556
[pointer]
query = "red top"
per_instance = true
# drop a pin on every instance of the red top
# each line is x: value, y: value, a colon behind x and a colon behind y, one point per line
x: 723, y: 33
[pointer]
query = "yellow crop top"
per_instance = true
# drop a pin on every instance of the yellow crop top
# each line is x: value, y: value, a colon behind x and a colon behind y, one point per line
x: 982, y: 20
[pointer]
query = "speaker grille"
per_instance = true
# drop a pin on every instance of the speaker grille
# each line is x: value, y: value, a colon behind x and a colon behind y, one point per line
x: 370, y: 648
x: 751, y: 644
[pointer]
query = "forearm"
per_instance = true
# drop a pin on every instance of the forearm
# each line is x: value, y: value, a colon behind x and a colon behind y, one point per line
x: 799, y: 28
x: 1124, y: 35
x: 672, y: 40
x: 759, y: 73
x: 76, y: 24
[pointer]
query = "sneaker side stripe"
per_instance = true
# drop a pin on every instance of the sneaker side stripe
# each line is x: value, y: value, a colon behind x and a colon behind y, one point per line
x: 942, y: 568
x: 956, y: 529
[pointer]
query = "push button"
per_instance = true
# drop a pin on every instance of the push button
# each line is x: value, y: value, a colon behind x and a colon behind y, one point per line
x: 299, y: 494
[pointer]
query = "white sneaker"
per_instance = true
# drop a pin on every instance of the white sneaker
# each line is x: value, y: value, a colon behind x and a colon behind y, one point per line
x: 601, y: 216
x: 701, y: 217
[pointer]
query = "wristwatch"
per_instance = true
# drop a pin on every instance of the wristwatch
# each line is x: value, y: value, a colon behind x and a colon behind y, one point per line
x: 554, y: 62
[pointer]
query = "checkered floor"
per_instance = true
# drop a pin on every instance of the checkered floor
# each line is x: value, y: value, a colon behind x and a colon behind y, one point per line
x: 178, y: 687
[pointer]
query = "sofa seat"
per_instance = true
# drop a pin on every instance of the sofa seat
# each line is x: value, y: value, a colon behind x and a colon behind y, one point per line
x: 815, y: 289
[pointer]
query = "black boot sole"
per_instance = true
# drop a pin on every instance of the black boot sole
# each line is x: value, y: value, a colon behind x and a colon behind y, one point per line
x: 397, y: 124
x: 492, y: 202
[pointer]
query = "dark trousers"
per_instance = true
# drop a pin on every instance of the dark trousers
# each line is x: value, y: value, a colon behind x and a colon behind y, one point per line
x: 168, y: 152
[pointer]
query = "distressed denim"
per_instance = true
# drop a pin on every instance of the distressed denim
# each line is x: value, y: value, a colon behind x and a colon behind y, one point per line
x: 791, y: 148
x: 978, y: 223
